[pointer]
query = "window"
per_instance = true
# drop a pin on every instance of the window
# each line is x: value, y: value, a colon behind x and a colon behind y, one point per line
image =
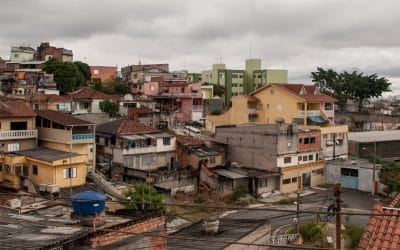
x: 34, y: 170
x: 86, y: 105
x: 306, y: 140
x: 18, y: 125
x: 69, y: 173
x: 17, y: 169
x: 317, y: 157
x: 212, y: 160
x: 286, y: 181
x: 1, y: 168
x: 167, y: 141
x: 339, y: 142
x: 310, y: 157
x: 279, y: 107
x: 301, y: 140
x: 287, y: 160
x: 349, y: 172
x: 312, y: 140
x: 305, y: 158
x: 299, y: 158
x: 16, y: 55
x: 12, y: 147
x: 262, y: 183
x: 7, y: 169
x: 96, y: 72
x: 294, y: 179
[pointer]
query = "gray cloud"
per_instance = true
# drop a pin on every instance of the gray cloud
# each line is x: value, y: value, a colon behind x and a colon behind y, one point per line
x: 291, y: 34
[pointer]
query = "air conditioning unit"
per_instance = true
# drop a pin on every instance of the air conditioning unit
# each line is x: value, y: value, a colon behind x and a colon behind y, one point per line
x: 43, y: 187
x: 53, y: 189
x: 14, y: 203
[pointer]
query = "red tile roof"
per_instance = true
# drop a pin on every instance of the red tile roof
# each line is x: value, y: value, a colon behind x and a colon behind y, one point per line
x: 383, y: 232
x: 139, y: 111
x: 49, y: 98
x: 250, y: 98
x: 125, y: 126
x: 61, y: 118
x: 89, y: 93
x: 309, y: 94
x: 189, y: 141
x: 14, y: 108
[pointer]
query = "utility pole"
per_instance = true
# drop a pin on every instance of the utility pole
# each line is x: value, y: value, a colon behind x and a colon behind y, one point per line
x: 373, y: 170
x: 338, y: 191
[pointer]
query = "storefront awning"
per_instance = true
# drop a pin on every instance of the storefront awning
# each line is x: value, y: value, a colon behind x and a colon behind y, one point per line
x: 317, y: 119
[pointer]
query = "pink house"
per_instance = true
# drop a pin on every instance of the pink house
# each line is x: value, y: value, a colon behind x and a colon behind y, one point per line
x: 188, y: 99
x: 151, y: 88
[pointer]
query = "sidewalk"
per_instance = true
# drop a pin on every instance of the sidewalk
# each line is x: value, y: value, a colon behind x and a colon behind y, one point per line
x: 332, y: 233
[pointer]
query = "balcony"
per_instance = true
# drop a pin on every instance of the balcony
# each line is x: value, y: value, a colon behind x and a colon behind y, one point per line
x: 329, y: 113
x: 18, y: 134
x: 76, y: 137
x: 302, y: 113
x: 251, y: 112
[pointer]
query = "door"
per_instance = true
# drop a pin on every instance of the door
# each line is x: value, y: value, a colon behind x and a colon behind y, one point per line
x: 90, y: 150
x: 349, y: 178
x: 306, y: 179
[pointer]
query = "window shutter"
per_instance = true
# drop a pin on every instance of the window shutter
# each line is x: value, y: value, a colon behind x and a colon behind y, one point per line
x: 74, y: 172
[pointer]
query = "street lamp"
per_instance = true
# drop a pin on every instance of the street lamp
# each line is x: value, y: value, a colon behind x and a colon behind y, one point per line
x: 373, y: 167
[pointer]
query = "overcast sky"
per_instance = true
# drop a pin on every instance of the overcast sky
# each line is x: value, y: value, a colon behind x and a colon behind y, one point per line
x: 297, y: 35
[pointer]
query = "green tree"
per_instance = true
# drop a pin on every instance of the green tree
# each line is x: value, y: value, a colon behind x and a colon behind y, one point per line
x: 350, y: 86
x: 66, y: 74
x: 219, y: 90
x: 144, y: 195
x: 84, y: 70
x: 121, y: 88
x: 109, y: 107
x: 390, y: 176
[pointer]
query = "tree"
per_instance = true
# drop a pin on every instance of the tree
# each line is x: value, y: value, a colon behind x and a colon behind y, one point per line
x: 84, y: 70
x: 66, y: 74
x: 219, y: 90
x: 109, y: 107
x: 143, y: 195
x: 121, y: 88
x: 350, y: 86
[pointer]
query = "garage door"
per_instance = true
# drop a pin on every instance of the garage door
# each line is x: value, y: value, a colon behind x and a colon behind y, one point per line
x: 349, y: 178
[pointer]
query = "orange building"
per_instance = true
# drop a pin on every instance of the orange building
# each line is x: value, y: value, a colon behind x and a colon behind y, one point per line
x: 102, y: 73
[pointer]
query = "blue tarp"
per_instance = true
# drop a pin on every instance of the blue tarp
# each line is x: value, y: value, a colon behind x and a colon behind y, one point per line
x: 317, y: 119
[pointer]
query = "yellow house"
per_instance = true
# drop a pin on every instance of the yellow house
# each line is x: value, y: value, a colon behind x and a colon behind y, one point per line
x: 296, y: 103
x: 17, y: 126
x: 43, y: 166
x: 67, y: 133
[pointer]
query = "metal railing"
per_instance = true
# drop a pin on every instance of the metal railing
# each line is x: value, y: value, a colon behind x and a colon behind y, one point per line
x: 82, y: 136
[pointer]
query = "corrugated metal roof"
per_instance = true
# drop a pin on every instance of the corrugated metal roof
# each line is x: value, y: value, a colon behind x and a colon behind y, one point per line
x: 375, y: 136
x: 229, y: 174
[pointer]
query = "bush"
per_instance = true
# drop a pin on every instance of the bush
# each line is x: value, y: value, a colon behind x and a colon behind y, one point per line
x: 286, y: 201
x: 310, y: 231
x: 353, y: 235
x: 144, y: 193
x: 239, y: 192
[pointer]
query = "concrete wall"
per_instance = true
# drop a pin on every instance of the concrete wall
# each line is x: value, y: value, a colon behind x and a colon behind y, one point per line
x: 337, y: 150
x: 277, y: 103
x: 257, y: 146
x: 295, y: 173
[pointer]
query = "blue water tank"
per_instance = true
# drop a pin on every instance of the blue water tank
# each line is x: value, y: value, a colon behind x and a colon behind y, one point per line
x: 88, y: 203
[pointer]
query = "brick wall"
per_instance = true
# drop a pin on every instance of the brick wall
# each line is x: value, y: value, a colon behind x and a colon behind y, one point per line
x: 150, y: 230
x: 309, y: 140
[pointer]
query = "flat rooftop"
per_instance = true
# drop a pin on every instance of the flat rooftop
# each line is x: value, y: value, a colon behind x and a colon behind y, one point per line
x: 46, y: 154
x: 375, y: 136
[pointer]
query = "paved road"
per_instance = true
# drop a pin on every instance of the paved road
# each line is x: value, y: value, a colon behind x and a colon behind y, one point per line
x: 353, y: 200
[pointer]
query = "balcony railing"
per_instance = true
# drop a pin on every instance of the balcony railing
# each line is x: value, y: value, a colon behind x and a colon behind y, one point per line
x: 251, y: 111
x: 18, y: 134
x: 82, y: 137
x: 302, y: 113
x: 329, y: 113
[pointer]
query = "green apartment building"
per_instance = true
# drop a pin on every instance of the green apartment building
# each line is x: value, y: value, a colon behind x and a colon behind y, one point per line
x: 246, y: 81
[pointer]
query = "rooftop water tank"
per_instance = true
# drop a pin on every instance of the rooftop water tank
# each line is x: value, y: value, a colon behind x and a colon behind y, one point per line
x: 88, y: 203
